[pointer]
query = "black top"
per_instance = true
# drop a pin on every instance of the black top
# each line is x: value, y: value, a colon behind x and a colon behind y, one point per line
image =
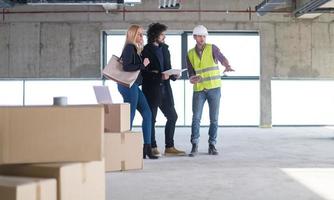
x: 132, y: 61
x: 153, y: 85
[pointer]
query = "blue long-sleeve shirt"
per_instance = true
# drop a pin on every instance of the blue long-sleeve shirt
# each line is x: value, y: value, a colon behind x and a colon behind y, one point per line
x: 160, y: 56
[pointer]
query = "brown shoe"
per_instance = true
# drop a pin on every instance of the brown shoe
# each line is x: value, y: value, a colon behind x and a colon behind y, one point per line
x: 172, y: 151
x: 156, y: 152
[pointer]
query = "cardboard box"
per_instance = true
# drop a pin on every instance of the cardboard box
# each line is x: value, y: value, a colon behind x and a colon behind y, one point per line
x: 19, y: 188
x: 117, y: 117
x: 76, y: 181
x: 123, y: 151
x: 44, y: 134
x: 113, y: 151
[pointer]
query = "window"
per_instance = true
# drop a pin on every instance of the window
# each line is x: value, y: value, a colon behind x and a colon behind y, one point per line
x: 240, y: 89
x: 305, y: 102
x: 241, y: 49
x: 11, y: 93
x: 77, y: 92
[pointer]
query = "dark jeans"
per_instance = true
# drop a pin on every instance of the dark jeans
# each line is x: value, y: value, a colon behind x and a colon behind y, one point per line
x: 168, y: 109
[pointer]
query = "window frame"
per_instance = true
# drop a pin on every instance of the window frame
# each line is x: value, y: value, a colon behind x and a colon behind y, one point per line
x: 184, y: 51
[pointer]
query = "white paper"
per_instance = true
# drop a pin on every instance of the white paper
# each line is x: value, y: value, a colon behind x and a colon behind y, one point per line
x: 102, y: 94
x: 174, y: 71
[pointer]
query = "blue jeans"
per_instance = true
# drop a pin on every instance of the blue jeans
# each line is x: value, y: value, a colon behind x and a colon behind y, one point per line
x: 138, y: 101
x: 199, y: 98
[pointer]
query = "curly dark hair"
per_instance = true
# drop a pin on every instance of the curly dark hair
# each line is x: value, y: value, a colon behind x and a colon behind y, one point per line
x: 154, y: 30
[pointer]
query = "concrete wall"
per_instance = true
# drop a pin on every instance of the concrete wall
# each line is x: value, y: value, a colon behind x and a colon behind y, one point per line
x: 67, y: 45
x: 49, y: 50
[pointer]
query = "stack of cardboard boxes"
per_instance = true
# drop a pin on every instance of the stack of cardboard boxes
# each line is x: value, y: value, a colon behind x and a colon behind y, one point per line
x: 69, y: 139
x: 123, y: 148
x: 62, y: 152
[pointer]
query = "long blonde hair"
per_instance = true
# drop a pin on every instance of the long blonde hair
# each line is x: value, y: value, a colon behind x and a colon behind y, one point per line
x: 131, y: 36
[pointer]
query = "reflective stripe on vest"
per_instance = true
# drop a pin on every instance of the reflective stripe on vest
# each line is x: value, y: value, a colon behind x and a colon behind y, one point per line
x: 206, y: 67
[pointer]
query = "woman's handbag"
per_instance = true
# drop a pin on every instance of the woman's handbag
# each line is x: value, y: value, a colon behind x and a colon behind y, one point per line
x: 114, y: 71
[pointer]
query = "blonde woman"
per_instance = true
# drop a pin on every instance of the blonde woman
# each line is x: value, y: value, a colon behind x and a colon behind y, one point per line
x: 132, y: 61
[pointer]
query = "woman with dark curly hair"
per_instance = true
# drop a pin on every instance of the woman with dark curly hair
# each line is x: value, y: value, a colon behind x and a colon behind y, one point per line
x: 156, y: 86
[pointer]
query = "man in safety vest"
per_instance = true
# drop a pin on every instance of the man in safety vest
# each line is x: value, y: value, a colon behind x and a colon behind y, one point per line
x: 204, y: 74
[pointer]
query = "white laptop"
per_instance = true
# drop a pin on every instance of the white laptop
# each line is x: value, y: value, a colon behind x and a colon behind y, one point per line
x: 102, y: 94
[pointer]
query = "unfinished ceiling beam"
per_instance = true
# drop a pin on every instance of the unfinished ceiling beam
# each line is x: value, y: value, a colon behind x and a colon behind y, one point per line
x: 271, y: 5
x: 312, y: 7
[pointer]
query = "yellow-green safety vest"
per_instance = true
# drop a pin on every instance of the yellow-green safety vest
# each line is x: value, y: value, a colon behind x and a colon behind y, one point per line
x: 206, y: 67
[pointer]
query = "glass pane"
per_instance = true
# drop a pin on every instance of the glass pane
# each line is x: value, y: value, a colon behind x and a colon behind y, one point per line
x: 239, y: 104
x: 174, y: 43
x: 77, y: 92
x: 115, y: 95
x: 302, y: 102
x: 242, y: 51
x: 115, y: 44
x: 178, y: 93
x: 188, y: 95
x: 11, y: 93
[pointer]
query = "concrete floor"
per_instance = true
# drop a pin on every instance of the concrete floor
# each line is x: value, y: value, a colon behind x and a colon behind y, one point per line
x: 288, y: 163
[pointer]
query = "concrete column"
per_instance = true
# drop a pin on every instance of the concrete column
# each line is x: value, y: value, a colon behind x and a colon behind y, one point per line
x: 267, y: 46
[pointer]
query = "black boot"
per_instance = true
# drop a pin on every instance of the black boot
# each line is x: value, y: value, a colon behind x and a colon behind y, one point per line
x: 212, y: 150
x: 194, y: 150
x: 147, y: 151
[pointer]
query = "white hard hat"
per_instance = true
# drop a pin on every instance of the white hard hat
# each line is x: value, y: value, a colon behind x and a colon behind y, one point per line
x: 200, y: 30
